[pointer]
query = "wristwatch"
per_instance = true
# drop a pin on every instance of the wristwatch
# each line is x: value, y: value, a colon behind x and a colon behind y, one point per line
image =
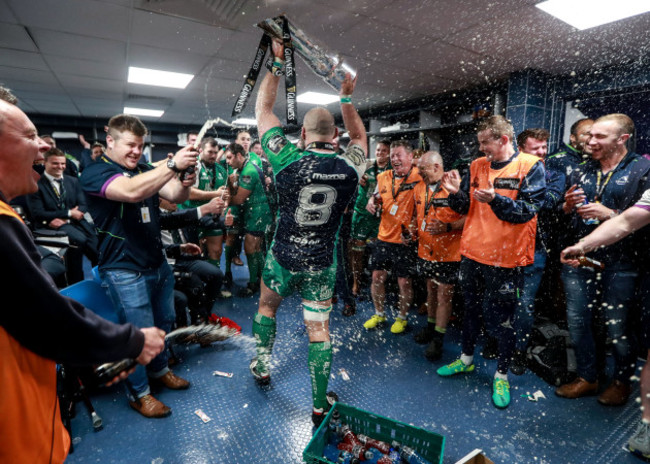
x: 171, y: 164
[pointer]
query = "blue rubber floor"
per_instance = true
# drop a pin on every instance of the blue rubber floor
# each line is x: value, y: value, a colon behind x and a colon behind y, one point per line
x: 388, y: 376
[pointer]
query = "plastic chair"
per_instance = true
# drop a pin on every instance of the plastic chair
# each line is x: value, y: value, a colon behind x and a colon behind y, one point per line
x: 95, y: 271
x: 93, y: 296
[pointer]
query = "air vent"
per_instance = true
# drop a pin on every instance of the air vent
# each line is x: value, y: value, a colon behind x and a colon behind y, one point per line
x: 132, y: 97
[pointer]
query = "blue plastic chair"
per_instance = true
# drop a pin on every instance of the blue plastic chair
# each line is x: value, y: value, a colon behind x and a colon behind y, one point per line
x: 95, y: 271
x: 93, y: 296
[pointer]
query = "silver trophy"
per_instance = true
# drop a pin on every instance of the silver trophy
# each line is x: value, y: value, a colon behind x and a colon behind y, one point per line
x: 328, y: 65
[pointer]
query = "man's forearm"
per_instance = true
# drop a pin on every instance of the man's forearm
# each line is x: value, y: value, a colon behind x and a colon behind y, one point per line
x: 353, y: 123
x: 266, y: 97
x: 137, y: 188
x: 613, y: 230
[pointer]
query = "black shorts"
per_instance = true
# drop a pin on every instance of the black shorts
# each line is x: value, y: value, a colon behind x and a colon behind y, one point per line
x: 394, y: 257
x: 440, y: 272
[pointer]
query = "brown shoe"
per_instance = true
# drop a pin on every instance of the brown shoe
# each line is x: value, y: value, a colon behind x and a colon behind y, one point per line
x: 616, y: 394
x: 173, y: 382
x: 577, y: 389
x: 236, y: 260
x: 150, y: 407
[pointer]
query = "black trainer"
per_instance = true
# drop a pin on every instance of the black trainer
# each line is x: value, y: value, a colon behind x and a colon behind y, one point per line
x: 317, y: 417
x: 262, y: 379
x: 227, y: 280
x: 250, y: 290
x: 350, y: 309
x: 519, y: 362
x: 425, y: 335
x: 491, y: 348
x: 434, y: 350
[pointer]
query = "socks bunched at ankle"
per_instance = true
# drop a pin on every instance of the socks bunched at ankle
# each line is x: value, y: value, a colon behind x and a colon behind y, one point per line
x: 320, y: 365
x: 264, y: 333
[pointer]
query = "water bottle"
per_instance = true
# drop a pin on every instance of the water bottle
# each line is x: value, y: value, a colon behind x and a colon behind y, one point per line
x: 356, y: 451
x: 409, y: 456
x: 347, y: 435
x: 592, y: 221
x: 333, y: 454
x: 379, y: 205
x: 380, y: 458
x: 368, y: 442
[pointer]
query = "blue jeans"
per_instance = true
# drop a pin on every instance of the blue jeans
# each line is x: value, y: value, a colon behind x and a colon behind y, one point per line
x: 525, y: 313
x: 597, y: 308
x: 145, y: 299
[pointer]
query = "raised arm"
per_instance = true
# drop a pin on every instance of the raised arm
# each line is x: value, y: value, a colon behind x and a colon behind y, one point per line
x: 267, y: 95
x: 351, y: 119
x: 137, y: 188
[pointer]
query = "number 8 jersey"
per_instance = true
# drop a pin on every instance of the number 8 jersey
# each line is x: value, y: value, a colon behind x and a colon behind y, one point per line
x: 313, y: 191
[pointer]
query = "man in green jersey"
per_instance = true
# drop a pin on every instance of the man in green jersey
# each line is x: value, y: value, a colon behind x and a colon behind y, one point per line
x: 314, y: 186
x: 255, y: 212
x: 365, y: 226
x: 210, y: 177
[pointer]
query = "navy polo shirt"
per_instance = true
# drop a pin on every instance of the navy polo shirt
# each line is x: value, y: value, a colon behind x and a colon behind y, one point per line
x: 127, y: 240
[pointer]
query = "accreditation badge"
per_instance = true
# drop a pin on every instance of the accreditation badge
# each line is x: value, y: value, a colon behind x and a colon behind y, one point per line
x: 145, y: 215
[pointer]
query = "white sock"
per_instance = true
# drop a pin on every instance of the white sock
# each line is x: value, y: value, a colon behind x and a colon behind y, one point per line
x: 468, y: 360
x: 499, y: 375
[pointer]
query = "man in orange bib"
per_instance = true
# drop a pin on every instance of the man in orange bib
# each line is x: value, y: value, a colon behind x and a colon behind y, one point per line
x: 394, y: 249
x: 439, y: 230
x: 501, y: 196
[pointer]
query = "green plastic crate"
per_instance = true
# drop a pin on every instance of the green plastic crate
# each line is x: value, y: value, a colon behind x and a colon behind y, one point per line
x: 427, y: 444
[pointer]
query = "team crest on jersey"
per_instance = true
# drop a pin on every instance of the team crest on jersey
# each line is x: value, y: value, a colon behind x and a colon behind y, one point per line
x: 622, y: 180
x: 246, y: 179
x: 276, y: 143
x: 506, y: 183
x: 356, y: 154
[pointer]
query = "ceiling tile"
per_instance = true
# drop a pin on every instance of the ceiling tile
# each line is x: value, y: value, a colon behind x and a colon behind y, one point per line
x: 83, y: 17
x: 16, y: 37
x: 80, y: 47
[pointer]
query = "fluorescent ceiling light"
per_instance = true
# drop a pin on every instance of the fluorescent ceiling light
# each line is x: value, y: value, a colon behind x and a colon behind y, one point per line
x: 245, y: 122
x: 65, y: 135
x: 585, y: 14
x: 317, y: 98
x: 143, y: 112
x: 159, y: 78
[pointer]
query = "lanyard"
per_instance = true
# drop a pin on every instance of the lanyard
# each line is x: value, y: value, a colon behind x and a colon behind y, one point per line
x: 600, y: 190
x: 401, y: 186
x: 320, y: 146
x: 429, y: 203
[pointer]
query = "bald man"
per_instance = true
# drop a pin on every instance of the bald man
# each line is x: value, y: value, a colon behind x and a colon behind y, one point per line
x: 439, y: 229
x: 314, y: 187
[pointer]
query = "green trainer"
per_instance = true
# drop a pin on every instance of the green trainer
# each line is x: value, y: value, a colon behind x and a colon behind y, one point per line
x: 454, y: 368
x: 501, y: 393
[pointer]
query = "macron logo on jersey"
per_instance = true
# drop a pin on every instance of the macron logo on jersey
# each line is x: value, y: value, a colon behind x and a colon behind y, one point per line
x: 320, y: 176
